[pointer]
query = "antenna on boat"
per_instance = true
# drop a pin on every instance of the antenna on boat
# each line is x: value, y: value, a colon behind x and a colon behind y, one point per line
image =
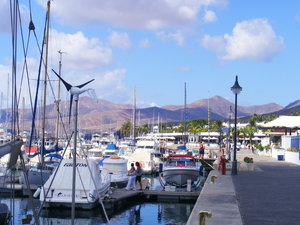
x: 184, y: 117
x: 75, y: 91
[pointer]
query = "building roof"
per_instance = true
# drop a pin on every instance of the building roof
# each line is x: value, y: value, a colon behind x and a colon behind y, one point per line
x: 283, y: 122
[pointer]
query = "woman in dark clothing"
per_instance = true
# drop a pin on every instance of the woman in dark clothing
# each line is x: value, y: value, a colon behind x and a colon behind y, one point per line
x: 139, y: 173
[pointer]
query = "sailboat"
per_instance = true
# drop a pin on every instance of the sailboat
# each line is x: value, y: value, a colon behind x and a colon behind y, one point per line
x: 77, y: 182
x: 40, y: 170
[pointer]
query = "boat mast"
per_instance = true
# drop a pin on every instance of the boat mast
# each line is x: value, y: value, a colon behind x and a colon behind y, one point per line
x: 23, y: 113
x: 58, y: 99
x: 208, y: 122
x: 184, y: 117
x: 134, y: 115
x: 45, y: 81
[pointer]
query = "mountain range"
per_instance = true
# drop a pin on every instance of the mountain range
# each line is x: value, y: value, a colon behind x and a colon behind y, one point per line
x: 104, y: 115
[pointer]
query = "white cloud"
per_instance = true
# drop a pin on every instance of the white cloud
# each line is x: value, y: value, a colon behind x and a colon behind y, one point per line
x: 138, y: 14
x: 215, y: 44
x: 252, y: 39
x: 176, y: 36
x: 145, y: 43
x: 209, y: 16
x: 153, y: 104
x: 119, y: 40
x: 5, y: 23
x: 110, y: 85
x: 82, y: 53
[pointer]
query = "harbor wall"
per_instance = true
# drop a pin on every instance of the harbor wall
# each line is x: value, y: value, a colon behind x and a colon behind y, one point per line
x: 217, y: 198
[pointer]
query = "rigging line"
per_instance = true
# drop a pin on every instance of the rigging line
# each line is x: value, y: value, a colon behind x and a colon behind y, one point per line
x: 30, y: 10
x: 25, y: 65
x: 55, y: 172
x: 37, y: 89
x: 14, y: 42
x: 94, y: 182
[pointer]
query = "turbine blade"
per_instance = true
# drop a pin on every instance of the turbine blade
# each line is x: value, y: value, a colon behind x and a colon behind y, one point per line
x: 82, y: 85
x: 67, y: 85
x: 71, y: 101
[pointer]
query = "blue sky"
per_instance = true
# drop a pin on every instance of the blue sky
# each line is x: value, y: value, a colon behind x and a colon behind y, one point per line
x: 156, y: 46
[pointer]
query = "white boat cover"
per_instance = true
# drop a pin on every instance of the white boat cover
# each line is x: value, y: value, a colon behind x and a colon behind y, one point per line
x: 86, y: 191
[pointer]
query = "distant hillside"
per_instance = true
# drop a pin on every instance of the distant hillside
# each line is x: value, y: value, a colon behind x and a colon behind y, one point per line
x: 104, y: 115
x: 293, y: 104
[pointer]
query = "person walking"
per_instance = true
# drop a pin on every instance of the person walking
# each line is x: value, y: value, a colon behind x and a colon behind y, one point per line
x: 201, y: 150
x: 131, y: 178
x: 139, y: 172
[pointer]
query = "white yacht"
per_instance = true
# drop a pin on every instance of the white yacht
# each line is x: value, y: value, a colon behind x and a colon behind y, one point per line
x: 116, y: 168
x: 145, y: 159
x: 150, y: 146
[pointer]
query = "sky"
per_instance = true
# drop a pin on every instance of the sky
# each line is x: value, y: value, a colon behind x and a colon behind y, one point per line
x: 157, y: 46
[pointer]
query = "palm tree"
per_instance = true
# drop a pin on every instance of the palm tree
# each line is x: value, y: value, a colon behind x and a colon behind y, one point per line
x: 125, y: 129
x: 219, y: 126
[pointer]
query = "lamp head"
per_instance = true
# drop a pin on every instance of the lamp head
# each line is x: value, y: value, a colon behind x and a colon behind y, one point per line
x: 236, y: 88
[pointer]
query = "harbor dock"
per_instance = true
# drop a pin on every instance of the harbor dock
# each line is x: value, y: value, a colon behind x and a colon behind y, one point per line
x: 269, y: 195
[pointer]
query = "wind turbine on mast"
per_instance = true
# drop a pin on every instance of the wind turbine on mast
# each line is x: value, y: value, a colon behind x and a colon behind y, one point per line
x: 75, y: 91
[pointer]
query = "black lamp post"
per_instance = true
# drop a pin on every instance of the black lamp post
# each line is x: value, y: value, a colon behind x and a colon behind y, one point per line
x: 236, y: 89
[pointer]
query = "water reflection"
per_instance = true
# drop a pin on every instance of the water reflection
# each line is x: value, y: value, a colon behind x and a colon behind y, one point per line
x: 143, y: 213
x: 154, y: 213
x: 135, y: 213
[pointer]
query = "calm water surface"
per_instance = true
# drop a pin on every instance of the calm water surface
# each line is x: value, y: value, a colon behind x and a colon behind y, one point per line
x: 143, y: 213
x: 137, y: 213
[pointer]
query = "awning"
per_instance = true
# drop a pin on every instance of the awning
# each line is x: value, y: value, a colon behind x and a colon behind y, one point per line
x: 283, y: 122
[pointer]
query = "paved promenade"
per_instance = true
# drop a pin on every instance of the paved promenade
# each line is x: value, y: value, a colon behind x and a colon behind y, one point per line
x: 269, y: 195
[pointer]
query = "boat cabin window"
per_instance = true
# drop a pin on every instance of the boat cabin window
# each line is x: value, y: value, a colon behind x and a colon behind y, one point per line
x: 181, y: 162
x: 190, y: 163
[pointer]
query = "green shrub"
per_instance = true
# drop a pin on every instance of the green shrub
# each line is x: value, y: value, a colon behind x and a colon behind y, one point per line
x: 259, y: 147
x: 293, y: 149
x: 248, y: 159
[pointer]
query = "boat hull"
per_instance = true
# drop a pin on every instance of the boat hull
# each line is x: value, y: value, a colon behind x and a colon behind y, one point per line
x: 180, y: 176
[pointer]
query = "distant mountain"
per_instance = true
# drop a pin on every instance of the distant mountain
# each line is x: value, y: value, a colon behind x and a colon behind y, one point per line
x: 293, y: 104
x: 104, y: 115
x: 220, y: 107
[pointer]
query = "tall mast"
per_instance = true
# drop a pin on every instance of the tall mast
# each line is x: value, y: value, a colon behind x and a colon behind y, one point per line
x: 208, y: 122
x: 58, y: 99
x: 1, y: 106
x: 23, y: 113
x: 134, y: 115
x: 45, y: 81
x: 184, y: 116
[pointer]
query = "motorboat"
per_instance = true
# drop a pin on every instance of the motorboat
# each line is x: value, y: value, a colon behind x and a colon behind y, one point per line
x: 116, y: 168
x: 95, y: 153
x: 180, y: 168
x: 145, y: 159
x: 110, y: 150
x: 150, y: 146
x: 90, y: 186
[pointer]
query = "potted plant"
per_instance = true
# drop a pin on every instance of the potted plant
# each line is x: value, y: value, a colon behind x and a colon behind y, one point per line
x: 249, y: 163
x: 248, y: 159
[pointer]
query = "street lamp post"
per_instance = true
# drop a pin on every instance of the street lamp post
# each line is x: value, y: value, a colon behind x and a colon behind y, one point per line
x: 236, y: 89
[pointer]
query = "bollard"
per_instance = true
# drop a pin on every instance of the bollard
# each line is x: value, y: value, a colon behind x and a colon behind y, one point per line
x: 189, y: 185
x: 223, y: 165
x: 160, y: 168
x: 213, y: 178
x: 203, y: 215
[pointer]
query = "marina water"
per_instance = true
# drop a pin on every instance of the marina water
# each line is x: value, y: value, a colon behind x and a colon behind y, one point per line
x: 143, y: 213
